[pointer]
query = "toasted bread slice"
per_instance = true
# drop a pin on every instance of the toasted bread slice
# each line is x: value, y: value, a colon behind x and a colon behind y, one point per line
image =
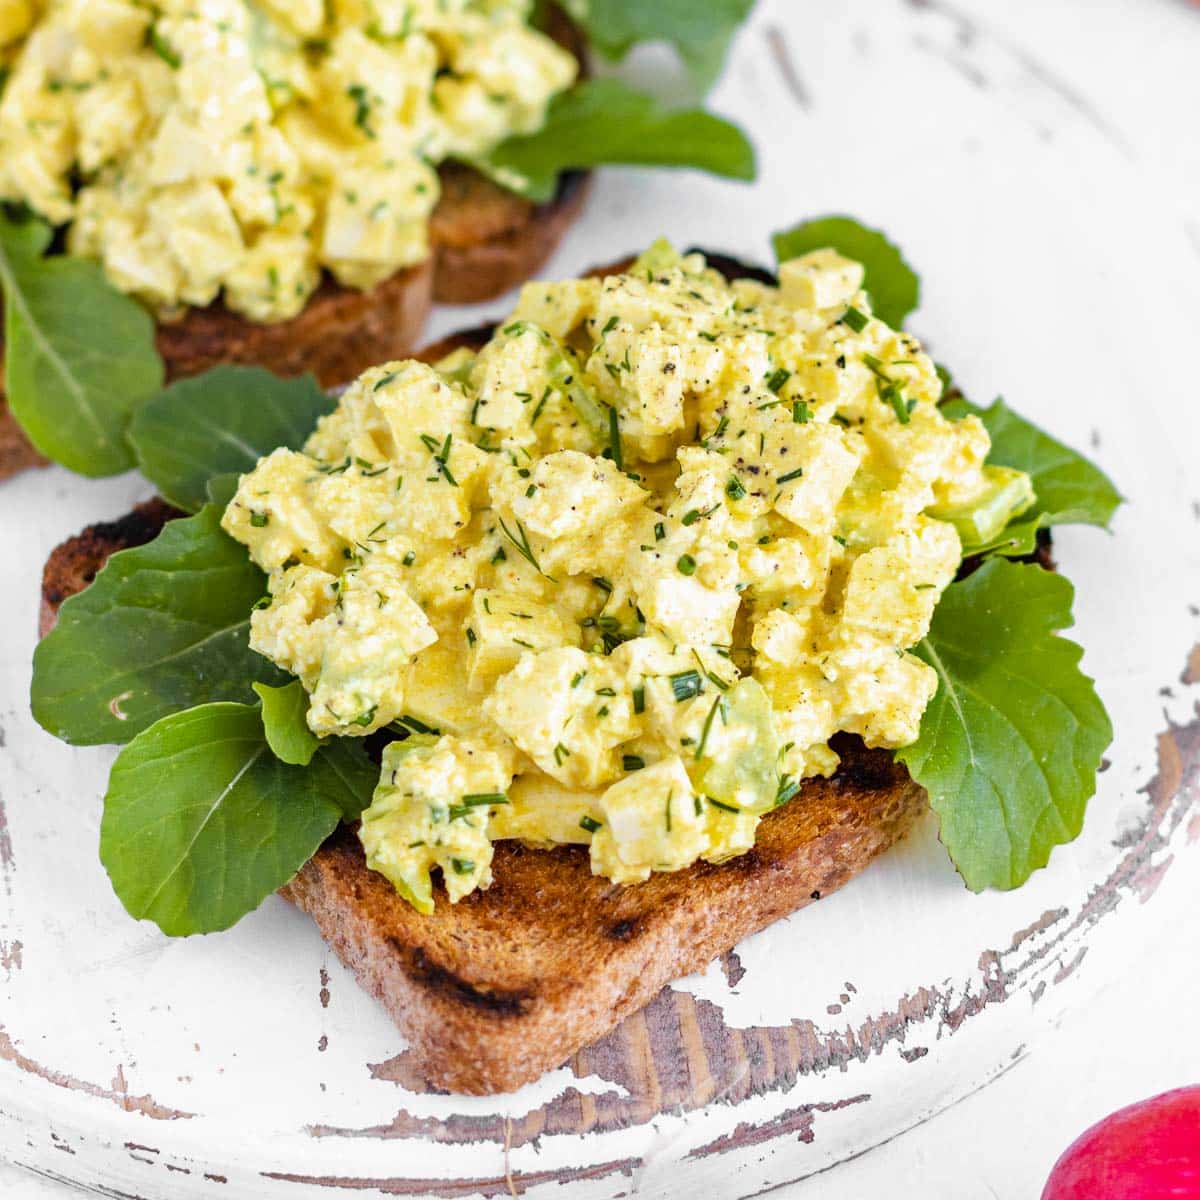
x: 510, y: 982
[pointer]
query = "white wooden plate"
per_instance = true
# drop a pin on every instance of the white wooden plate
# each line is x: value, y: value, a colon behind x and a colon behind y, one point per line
x: 1057, y: 269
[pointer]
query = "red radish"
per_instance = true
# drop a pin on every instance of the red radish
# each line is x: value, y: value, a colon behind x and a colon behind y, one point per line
x: 1146, y: 1151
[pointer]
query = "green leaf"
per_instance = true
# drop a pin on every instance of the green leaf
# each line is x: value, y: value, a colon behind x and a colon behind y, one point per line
x: 1070, y: 489
x: 79, y: 356
x: 701, y: 38
x: 1011, y: 743
x: 893, y: 285
x: 163, y: 627
x: 222, y: 421
x: 604, y: 121
x: 221, y: 489
x: 202, y: 822
x: 283, y: 716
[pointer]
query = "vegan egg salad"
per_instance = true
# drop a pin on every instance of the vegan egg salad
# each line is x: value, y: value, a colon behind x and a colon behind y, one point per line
x: 200, y: 147
x: 622, y: 574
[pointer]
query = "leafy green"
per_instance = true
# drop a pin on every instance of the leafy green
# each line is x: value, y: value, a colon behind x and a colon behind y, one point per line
x: 79, y: 356
x: 163, y: 626
x: 202, y: 822
x: 1011, y: 743
x: 221, y: 489
x: 1070, y: 489
x: 222, y: 421
x: 283, y: 716
x: 701, y: 37
x: 604, y: 121
x: 893, y: 285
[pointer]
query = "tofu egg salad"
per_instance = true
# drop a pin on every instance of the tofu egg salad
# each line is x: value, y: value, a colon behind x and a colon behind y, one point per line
x: 199, y: 148
x: 618, y: 578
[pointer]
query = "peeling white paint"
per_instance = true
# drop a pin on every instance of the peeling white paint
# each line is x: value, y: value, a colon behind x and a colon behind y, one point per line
x: 1045, y: 216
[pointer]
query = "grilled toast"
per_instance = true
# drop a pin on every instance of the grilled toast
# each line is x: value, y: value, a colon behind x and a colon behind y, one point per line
x: 511, y: 981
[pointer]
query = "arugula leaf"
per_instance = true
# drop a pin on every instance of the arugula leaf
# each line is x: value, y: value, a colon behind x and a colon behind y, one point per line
x: 224, y: 420
x: 163, y: 626
x: 202, y: 822
x: 1010, y: 744
x: 1070, y: 489
x: 702, y: 38
x: 893, y: 285
x: 604, y: 121
x: 283, y: 716
x: 79, y: 355
x: 221, y: 489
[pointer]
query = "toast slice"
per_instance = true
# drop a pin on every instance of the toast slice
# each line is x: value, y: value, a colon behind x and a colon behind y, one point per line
x: 510, y: 982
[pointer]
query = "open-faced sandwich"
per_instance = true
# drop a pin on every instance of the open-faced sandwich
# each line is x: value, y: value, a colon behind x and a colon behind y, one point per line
x: 289, y: 183
x: 542, y: 668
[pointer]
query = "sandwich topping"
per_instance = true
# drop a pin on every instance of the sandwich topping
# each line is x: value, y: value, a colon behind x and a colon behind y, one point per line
x: 223, y: 147
x: 618, y: 577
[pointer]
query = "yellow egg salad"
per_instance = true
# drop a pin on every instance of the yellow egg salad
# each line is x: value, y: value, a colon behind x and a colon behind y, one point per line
x: 622, y: 574
x: 223, y: 147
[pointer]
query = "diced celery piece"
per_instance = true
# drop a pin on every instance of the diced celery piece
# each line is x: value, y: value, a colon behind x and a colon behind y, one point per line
x: 1007, y: 494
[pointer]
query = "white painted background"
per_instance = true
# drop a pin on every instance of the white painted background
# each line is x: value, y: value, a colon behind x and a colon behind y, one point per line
x: 1065, y: 129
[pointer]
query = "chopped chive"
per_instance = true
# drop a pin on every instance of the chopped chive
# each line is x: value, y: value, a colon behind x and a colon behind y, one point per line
x: 523, y: 547
x: 462, y: 866
x: 686, y: 684
x: 712, y: 712
x: 259, y: 519
x: 660, y: 531
x: 163, y: 49
x: 723, y: 807
x: 364, y: 719
x: 537, y: 412
x: 801, y: 413
x: 639, y: 699
x: 735, y: 489
x: 589, y: 823
x: 855, y: 319
x: 614, y: 438
x: 477, y: 800
x: 609, y: 325
x: 385, y: 380
x: 778, y: 378
x: 788, y: 787
x: 561, y: 752
x: 782, y: 479
x: 685, y: 564
x: 691, y: 516
x: 632, y: 762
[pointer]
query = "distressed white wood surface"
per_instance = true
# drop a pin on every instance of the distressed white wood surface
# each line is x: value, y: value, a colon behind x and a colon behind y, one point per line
x: 1038, y: 165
